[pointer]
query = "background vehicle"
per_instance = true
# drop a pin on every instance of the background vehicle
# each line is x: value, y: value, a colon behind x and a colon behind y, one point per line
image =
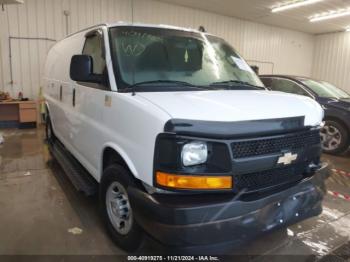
x: 180, y: 136
x: 335, y: 102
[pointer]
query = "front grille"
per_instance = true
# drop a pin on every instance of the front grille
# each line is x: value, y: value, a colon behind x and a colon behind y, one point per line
x: 275, y: 144
x: 269, y: 178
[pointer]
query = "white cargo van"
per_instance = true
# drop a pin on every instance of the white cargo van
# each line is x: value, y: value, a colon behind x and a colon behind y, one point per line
x: 179, y: 136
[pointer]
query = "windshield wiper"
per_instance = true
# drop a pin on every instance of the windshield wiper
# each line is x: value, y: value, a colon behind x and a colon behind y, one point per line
x: 235, y: 83
x: 173, y: 82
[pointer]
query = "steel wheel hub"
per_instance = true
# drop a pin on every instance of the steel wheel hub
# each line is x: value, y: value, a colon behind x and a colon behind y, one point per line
x: 118, y: 208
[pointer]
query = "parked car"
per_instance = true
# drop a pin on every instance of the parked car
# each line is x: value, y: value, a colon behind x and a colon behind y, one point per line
x: 335, y: 102
x: 179, y: 137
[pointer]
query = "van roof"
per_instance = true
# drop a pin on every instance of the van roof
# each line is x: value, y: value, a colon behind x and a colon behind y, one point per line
x: 153, y: 26
x: 109, y: 25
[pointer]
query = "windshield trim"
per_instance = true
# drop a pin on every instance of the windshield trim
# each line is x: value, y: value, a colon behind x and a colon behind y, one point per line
x: 115, y: 64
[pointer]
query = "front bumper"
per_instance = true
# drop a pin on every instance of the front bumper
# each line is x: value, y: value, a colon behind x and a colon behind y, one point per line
x: 210, y: 220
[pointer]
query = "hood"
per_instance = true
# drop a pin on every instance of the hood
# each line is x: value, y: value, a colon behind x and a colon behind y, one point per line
x: 232, y: 105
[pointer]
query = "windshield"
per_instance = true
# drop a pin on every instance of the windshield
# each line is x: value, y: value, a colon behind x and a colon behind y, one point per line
x: 324, y: 89
x: 144, y: 55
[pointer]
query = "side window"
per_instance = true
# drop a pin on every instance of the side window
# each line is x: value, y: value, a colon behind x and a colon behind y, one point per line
x: 287, y: 86
x: 94, y: 48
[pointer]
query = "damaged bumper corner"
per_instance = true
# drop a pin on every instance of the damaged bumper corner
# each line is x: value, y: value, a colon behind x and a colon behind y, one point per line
x: 190, y: 221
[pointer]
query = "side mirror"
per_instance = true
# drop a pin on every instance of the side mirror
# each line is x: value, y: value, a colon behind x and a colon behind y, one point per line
x: 81, y: 70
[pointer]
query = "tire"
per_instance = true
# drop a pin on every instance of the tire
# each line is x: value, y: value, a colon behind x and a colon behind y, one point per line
x: 115, y: 205
x: 335, y: 137
x: 50, y: 136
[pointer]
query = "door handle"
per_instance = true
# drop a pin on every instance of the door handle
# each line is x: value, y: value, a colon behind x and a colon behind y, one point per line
x: 74, y: 97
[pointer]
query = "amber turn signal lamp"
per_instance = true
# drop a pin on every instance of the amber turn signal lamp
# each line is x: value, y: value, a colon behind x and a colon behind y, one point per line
x: 193, y: 182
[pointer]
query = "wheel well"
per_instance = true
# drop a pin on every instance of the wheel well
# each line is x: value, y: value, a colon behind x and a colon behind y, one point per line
x: 335, y: 119
x: 111, y: 156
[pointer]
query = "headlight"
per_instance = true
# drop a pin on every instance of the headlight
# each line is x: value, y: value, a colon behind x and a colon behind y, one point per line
x: 194, y: 153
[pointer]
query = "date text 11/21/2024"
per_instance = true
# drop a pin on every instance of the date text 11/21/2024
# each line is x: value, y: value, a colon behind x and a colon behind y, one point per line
x: 173, y: 258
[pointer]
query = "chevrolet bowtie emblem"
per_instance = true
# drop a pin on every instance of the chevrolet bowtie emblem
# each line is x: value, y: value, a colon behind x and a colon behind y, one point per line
x: 287, y: 158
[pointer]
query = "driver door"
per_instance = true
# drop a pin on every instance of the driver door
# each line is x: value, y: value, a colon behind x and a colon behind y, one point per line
x: 89, y: 105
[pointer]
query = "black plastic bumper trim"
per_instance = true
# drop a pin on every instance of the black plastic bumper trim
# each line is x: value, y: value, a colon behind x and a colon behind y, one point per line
x: 210, y: 219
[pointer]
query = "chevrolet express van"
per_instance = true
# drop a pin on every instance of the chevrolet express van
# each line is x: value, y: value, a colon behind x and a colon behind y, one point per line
x: 179, y: 137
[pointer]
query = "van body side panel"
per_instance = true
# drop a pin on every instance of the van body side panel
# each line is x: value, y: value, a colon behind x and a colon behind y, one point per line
x: 128, y: 124
x: 100, y: 118
x: 57, y: 78
x: 59, y: 93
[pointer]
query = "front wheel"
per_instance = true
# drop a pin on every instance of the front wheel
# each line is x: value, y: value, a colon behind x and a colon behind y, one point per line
x: 116, y: 209
x: 334, y: 138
